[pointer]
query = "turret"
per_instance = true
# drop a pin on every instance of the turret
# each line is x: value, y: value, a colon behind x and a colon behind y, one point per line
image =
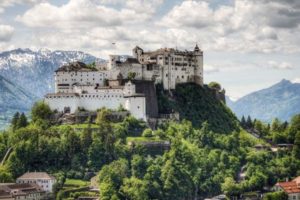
x: 198, y: 71
x: 137, y: 52
x: 112, y: 63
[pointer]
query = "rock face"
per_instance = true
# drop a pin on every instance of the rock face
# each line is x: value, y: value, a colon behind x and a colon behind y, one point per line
x: 27, y: 75
x: 281, y: 100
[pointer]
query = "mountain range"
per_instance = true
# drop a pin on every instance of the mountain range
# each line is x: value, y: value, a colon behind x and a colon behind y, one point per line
x: 281, y: 100
x: 27, y: 75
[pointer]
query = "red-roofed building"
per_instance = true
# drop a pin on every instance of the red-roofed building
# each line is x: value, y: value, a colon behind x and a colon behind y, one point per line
x: 291, y: 188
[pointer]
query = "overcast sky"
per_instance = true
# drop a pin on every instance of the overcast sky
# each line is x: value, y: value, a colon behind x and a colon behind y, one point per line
x: 248, y: 44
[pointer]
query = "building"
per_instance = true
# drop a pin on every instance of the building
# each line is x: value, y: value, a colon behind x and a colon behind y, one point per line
x: 78, y: 85
x: 42, y: 179
x: 291, y: 188
x: 24, y: 191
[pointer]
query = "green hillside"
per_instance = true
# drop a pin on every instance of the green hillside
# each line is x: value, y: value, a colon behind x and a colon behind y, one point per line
x: 197, y: 104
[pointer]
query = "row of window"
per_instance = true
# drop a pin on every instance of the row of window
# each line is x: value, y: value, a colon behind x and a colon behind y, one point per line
x: 89, y: 96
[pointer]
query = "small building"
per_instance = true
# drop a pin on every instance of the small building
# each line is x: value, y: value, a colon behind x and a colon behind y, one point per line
x: 42, y: 179
x: 291, y: 188
x: 24, y: 191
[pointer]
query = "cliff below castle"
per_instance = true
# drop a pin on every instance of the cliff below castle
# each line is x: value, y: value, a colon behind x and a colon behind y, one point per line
x: 198, y: 104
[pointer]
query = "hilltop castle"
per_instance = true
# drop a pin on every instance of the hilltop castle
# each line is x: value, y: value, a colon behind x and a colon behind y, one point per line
x: 129, y: 83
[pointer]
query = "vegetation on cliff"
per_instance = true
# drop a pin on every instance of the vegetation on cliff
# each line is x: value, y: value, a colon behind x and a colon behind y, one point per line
x: 198, y: 104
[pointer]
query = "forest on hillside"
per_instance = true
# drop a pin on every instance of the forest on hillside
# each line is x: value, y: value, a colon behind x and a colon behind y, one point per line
x: 200, y: 163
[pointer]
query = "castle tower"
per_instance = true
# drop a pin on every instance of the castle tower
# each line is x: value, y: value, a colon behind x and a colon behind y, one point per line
x: 112, y: 63
x: 198, y: 71
x: 137, y: 52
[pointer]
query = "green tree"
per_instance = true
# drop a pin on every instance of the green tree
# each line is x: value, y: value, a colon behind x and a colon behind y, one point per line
x: 22, y: 122
x: 111, y: 178
x: 131, y: 75
x: 14, y: 121
x: 134, y: 189
x: 296, y: 147
x: 41, y: 114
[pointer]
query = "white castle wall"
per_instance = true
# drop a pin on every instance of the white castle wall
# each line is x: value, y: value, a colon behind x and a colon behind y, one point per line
x: 94, y: 99
x: 84, y: 78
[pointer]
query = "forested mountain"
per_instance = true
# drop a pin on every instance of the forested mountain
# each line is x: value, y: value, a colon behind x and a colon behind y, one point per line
x: 281, y: 100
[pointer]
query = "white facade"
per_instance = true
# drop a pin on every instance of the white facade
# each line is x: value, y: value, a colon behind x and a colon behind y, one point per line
x: 91, y: 99
x: 42, y: 179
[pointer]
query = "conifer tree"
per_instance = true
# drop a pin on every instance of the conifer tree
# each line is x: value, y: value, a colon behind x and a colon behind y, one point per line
x: 243, y: 122
x: 249, y: 123
x: 22, y: 122
x: 15, y: 120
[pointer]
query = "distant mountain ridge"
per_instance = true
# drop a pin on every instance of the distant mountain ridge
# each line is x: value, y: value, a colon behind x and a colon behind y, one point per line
x: 27, y: 75
x: 281, y: 100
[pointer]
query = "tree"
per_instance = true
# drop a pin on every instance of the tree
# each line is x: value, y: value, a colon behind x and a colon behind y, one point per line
x: 275, y: 196
x: 138, y: 166
x: 147, y: 132
x: 243, y: 122
x: 134, y: 189
x: 41, y: 113
x: 131, y: 75
x: 5, y: 175
x: 15, y: 120
x: 230, y: 187
x: 111, y: 178
x: 249, y: 123
x: 22, y: 122
x: 215, y: 86
x: 296, y: 147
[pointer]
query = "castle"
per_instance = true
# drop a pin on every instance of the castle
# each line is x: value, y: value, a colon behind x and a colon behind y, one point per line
x: 126, y: 83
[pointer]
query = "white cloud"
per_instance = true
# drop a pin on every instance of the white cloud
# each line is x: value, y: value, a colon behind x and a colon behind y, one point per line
x: 280, y: 65
x: 87, y: 14
x: 209, y: 69
x: 296, y: 80
x: 6, y: 33
x: 7, y: 3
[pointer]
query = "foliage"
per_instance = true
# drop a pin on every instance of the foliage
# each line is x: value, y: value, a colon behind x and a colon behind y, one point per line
x: 215, y: 85
x: 275, y: 196
x: 198, y: 104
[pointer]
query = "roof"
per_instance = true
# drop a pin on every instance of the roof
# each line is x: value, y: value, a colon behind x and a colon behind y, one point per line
x: 19, y: 189
x: 36, y: 175
x: 289, y: 187
x: 131, y: 61
x: 75, y: 66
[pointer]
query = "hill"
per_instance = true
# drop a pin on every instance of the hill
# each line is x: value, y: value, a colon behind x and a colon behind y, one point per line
x: 198, y: 104
x: 281, y: 100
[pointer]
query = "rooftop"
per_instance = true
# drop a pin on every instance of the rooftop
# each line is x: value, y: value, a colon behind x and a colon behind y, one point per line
x: 36, y: 175
x: 75, y: 66
x: 291, y: 186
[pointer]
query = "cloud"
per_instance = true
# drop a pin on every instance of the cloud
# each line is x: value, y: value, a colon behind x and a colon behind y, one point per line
x: 6, y: 33
x: 280, y: 65
x: 189, y: 14
x: 8, y: 3
x: 209, y: 69
x: 296, y: 80
x: 87, y: 14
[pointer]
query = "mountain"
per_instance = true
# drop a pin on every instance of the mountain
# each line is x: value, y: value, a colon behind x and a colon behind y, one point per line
x: 281, y: 100
x: 27, y: 75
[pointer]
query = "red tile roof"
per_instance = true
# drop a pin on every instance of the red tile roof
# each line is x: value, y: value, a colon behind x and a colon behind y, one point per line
x: 289, y: 187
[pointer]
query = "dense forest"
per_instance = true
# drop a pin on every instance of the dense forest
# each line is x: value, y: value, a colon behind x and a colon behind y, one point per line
x: 204, y: 160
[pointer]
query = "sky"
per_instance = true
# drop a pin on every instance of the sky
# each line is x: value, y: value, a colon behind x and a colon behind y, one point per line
x: 248, y: 44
